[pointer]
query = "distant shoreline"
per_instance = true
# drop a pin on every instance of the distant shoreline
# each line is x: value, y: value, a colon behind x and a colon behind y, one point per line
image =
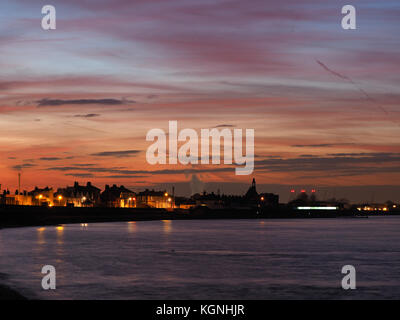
x: 30, y: 216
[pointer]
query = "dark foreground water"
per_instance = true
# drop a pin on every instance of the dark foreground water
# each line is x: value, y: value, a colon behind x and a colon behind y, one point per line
x: 206, y: 259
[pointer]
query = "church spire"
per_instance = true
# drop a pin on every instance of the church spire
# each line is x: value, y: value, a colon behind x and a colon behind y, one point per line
x: 252, y: 192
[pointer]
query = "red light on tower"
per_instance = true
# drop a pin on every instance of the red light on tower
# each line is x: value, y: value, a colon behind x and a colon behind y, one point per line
x: 313, y: 190
x: 292, y: 191
x: 303, y: 191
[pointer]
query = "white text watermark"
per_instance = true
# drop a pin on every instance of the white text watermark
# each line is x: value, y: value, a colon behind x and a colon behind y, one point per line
x: 188, y: 153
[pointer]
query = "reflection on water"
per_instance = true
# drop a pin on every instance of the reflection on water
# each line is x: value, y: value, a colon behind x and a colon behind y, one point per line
x: 206, y: 259
x: 131, y: 226
x: 60, y: 251
x: 167, y: 226
x: 60, y: 233
x: 41, y: 240
x: 84, y: 226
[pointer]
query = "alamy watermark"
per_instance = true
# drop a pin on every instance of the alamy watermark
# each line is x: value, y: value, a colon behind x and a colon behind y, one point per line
x: 49, y: 280
x: 349, y: 280
x: 188, y: 153
x: 348, y: 21
x: 49, y: 20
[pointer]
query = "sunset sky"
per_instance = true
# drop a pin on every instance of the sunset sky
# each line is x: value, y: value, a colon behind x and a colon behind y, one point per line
x: 76, y: 102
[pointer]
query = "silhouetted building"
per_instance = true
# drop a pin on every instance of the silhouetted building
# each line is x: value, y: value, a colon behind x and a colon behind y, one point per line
x: 184, y: 203
x: 78, y: 196
x: 118, y: 197
x: 251, y: 194
x: 22, y: 199
x: 269, y: 199
x: 42, y: 197
x: 155, y: 199
x: 251, y: 199
x: 209, y: 200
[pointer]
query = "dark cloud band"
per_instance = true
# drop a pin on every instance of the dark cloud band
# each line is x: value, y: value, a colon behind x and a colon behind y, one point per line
x: 59, y: 102
x: 118, y: 154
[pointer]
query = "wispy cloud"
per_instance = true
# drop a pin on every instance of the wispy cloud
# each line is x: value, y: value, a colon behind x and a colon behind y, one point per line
x: 59, y: 102
x: 321, y: 145
x: 23, y: 166
x: 225, y: 126
x: 50, y: 158
x: 118, y: 154
x: 349, y: 163
x: 80, y: 175
x: 88, y: 115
